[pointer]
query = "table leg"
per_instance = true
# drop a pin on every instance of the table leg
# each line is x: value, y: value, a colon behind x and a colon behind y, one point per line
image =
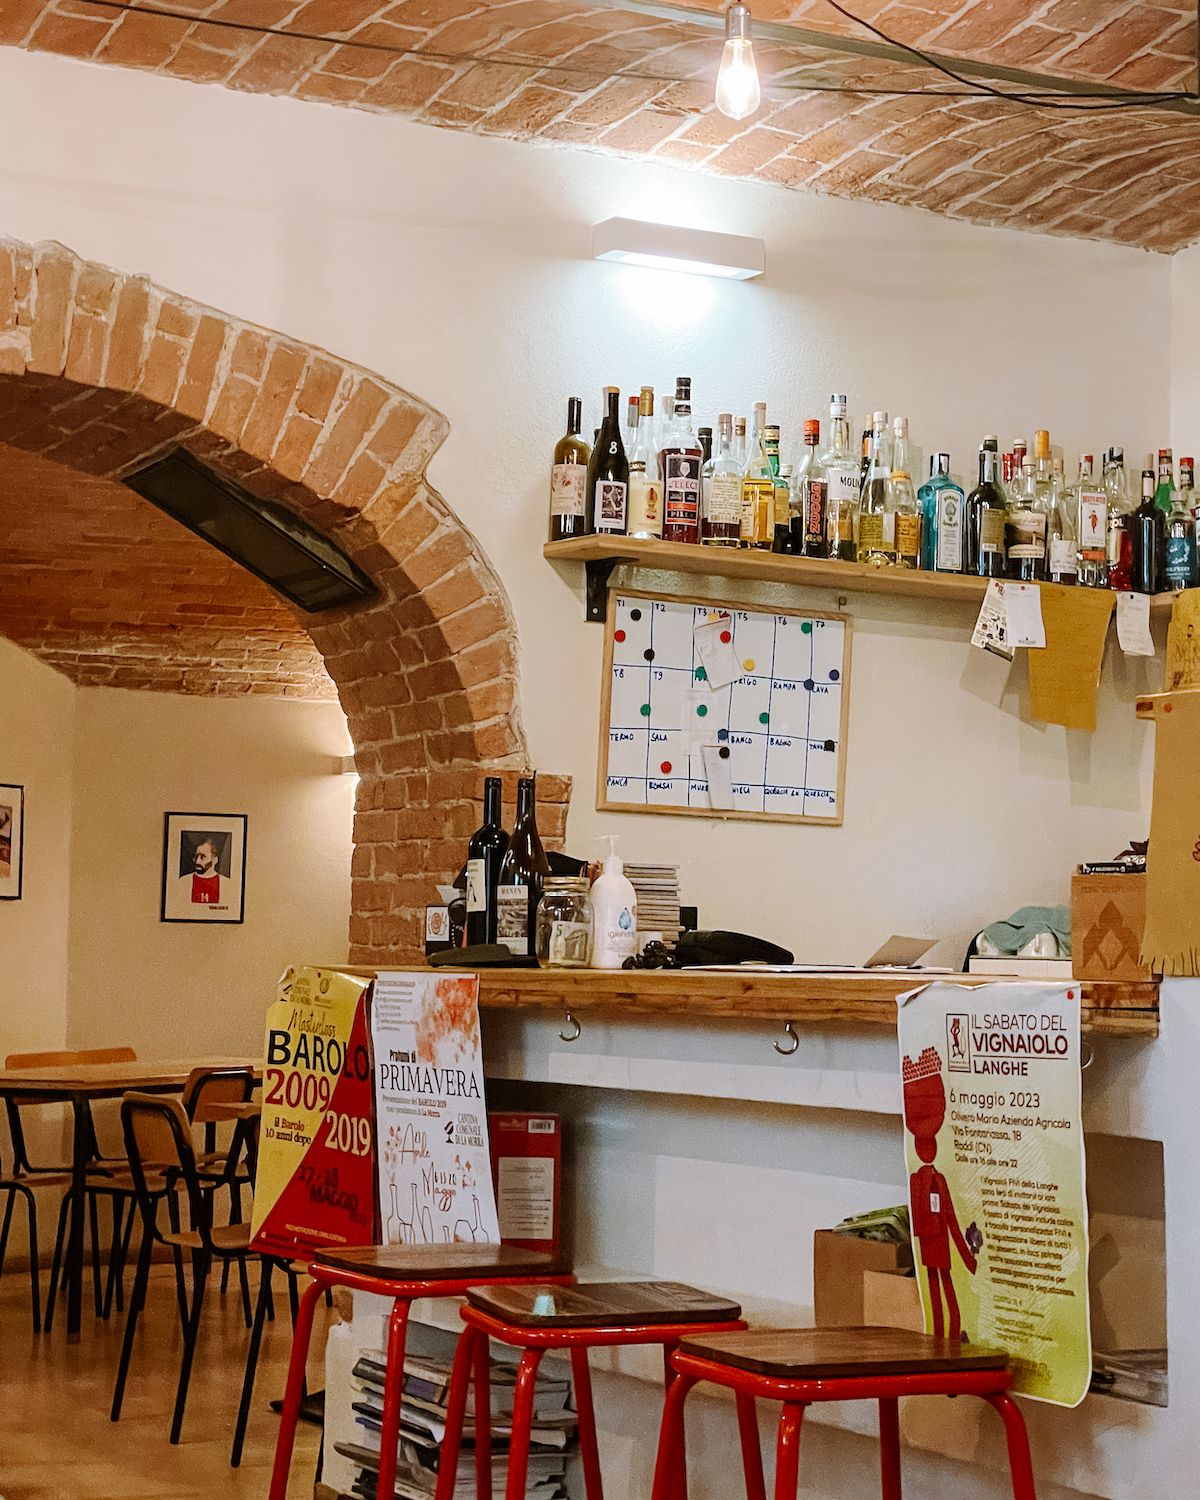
x: 79, y: 1155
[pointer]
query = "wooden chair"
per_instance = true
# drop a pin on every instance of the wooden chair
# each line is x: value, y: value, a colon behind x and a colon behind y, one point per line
x: 27, y: 1175
x: 161, y: 1155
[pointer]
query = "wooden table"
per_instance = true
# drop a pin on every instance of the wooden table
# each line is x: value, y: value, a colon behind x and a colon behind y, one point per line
x: 79, y: 1085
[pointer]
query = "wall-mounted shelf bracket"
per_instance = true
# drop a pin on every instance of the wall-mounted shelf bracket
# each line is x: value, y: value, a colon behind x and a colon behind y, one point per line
x: 599, y: 571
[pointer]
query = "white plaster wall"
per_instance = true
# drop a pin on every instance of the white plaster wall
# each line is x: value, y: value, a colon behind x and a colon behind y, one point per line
x: 1185, y: 351
x: 191, y: 989
x: 458, y: 267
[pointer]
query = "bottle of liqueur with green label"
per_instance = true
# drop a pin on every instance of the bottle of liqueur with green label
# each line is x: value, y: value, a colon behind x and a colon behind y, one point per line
x: 645, y: 518
x: 780, y: 495
x: 902, y: 499
x: 681, y: 460
x: 843, y: 481
x: 722, y: 521
x: 608, y: 472
x: 943, y: 510
x: 1164, y: 492
x: 1149, y: 537
x: 1120, y: 522
x: 984, y: 552
x: 1091, y: 526
x: 522, y: 871
x: 485, y: 853
x: 810, y: 491
x: 568, y: 478
x: 876, y: 518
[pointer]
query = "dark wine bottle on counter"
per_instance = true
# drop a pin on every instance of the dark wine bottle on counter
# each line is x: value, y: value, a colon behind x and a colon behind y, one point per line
x: 522, y: 872
x: 1148, y: 525
x: 608, y: 472
x: 568, y: 478
x: 485, y: 854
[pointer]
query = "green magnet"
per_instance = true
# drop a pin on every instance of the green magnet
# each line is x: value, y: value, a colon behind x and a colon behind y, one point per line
x: 701, y: 709
x: 806, y: 627
x: 763, y: 718
x: 645, y: 710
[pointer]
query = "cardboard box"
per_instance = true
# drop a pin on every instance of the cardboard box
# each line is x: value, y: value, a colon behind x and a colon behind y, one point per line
x: 891, y: 1299
x: 1108, y: 913
x: 527, y: 1171
x: 840, y: 1262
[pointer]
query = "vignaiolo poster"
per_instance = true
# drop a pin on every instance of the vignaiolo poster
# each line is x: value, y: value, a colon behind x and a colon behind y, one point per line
x: 994, y: 1142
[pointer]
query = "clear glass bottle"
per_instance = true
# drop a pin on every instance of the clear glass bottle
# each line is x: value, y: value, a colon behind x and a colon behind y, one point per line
x: 843, y: 485
x: 1026, y: 528
x: 1019, y: 451
x: 645, y: 486
x: 810, y: 492
x: 722, y: 522
x: 876, y: 520
x: 1091, y: 526
x: 632, y: 413
x: 1062, y: 545
x: 564, y: 923
x: 758, y: 486
x: 902, y: 499
x: 1164, y: 492
x: 681, y: 460
x: 1180, y: 567
x: 985, y: 553
x: 1120, y: 523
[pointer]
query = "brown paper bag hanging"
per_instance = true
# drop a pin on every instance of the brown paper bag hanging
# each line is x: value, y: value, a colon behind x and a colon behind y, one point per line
x: 1171, y: 939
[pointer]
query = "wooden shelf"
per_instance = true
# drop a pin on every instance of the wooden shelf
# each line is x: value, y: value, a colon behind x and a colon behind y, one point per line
x: 602, y: 553
x: 808, y: 999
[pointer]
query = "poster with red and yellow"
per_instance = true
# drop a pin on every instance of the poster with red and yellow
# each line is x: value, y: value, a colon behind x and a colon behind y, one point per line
x: 315, y: 1187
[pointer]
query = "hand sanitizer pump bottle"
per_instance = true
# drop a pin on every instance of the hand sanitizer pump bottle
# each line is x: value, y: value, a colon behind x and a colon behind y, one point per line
x: 614, y: 913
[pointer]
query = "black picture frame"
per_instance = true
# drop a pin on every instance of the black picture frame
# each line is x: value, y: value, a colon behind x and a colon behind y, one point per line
x: 215, y: 894
x: 12, y: 841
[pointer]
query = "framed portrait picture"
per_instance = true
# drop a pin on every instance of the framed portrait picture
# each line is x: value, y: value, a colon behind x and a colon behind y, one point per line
x: 12, y: 841
x: 204, y: 867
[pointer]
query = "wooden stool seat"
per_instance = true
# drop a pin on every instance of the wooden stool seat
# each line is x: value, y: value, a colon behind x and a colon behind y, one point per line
x: 602, y: 1304
x: 841, y: 1353
x: 437, y: 1262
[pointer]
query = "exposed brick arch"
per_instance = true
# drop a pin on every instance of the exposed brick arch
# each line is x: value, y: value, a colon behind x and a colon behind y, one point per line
x: 101, y: 370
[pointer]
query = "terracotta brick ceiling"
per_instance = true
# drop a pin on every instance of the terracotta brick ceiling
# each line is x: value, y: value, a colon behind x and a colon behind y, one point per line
x: 102, y: 586
x: 548, y: 75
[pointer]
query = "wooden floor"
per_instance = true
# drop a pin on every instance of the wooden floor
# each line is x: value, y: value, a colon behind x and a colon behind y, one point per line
x: 56, y: 1440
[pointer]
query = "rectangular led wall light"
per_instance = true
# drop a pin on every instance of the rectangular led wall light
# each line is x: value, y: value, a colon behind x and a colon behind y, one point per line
x: 666, y: 247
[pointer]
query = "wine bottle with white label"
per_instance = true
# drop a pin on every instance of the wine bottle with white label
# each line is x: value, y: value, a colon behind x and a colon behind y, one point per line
x: 522, y: 872
x: 608, y: 472
x: 485, y: 853
x: 568, y: 478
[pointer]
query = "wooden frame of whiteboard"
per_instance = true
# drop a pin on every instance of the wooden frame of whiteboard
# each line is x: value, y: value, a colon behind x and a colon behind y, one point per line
x: 724, y: 814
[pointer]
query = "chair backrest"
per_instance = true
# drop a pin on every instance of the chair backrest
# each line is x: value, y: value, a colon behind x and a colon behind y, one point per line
x: 69, y: 1059
x: 25, y: 1061
x: 208, y: 1086
x: 158, y: 1142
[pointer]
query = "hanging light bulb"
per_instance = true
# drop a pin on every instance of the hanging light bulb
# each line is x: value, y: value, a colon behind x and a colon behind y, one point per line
x: 738, y: 91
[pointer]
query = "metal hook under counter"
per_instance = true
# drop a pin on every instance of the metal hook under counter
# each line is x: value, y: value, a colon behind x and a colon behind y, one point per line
x: 576, y: 1034
x: 789, y: 1029
x: 1087, y: 1054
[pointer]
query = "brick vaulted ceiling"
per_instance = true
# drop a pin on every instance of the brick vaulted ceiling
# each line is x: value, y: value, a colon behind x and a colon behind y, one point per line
x: 110, y: 591
x: 547, y: 70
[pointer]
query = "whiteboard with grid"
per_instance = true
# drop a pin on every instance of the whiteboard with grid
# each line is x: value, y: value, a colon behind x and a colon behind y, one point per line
x: 778, y: 730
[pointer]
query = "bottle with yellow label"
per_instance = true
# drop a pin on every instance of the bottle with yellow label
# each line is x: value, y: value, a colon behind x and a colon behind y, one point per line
x: 758, y: 487
x: 902, y: 499
x: 876, y: 521
x: 645, y: 485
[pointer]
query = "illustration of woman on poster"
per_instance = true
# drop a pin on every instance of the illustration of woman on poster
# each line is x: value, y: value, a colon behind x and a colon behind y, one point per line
x: 934, y: 1220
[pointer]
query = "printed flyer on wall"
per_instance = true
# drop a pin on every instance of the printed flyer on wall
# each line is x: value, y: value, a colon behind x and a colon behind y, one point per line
x: 435, y: 1180
x: 994, y: 1140
x: 316, y: 1185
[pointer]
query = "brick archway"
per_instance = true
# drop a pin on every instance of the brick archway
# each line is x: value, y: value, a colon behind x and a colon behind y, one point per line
x: 101, y: 370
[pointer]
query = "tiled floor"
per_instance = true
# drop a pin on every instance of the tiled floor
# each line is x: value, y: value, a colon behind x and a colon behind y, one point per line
x: 56, y: 1440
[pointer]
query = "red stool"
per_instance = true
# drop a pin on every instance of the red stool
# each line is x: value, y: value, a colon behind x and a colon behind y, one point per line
x: 404, y: 1273
x: 800, y: 1366
x: 575, y: 1318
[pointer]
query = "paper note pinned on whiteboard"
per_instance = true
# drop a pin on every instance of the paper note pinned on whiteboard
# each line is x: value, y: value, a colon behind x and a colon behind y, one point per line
x: 1023, y: 612
x: 714, y: 647
x: 1133, y: 624
x: 720, y: 782
x: 991, y: 628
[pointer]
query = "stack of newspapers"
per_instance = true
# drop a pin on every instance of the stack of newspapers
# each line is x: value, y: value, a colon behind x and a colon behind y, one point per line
x: 423, y: 1424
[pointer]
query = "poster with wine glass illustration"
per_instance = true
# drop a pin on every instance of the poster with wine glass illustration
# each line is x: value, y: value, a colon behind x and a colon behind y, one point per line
x: 710, y: 709
x: 434, y: 1159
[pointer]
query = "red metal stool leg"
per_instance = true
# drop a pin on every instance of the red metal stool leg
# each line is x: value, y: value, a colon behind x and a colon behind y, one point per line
x: 483, y: 1417
x: 456, y: 1406
x: 589, y: 1451
x: 889, y: 1446
x: 787, y: 1451
x: 672, y: 1454
x: 522, y: 1421
x: 393, y: 1395
x: 293, y: 1393
x: 679, y: 1490
x: 1020, y: 1462
x: 747, y: 1416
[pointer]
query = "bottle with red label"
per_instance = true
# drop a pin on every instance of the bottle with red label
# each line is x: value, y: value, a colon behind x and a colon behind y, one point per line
x: 681, y: 459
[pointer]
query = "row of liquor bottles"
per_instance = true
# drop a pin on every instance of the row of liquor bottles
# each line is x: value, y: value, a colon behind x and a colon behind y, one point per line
x: 658, y: 478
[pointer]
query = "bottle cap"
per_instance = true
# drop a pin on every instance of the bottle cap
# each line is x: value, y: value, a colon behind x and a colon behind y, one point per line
x: 683, y: 388
x: 1041, y: 442
x: 1191, y: 463
x: 771, y: 433
x: 812, y: 430
x: 1164, y: 455
x: 900, y: 426
x: 879, y: 418
x: 991, y: 443
x: 1116, y: 455
x: 943, y: 463
x: 838, y: 406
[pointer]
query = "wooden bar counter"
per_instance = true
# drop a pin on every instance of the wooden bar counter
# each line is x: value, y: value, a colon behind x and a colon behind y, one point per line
x: 816, y: 997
